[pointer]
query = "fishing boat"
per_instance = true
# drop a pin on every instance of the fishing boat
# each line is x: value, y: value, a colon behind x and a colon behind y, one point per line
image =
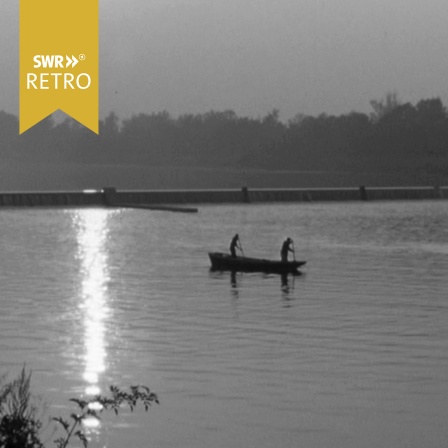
x: 225, y: 262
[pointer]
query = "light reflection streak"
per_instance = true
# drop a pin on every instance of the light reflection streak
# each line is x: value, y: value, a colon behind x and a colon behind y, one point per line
x: 92, y: 234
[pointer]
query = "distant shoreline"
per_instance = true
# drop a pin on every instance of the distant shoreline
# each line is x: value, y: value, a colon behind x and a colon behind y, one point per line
x: 111, y: 197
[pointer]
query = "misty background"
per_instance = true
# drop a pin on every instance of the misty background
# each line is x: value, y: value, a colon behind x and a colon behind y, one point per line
x: 216, y: 94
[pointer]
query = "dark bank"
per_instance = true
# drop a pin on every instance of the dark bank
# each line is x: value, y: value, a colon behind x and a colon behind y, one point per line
x: 169, y: 199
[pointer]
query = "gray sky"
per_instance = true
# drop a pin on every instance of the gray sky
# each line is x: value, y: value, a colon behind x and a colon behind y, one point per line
x: 300, y: 56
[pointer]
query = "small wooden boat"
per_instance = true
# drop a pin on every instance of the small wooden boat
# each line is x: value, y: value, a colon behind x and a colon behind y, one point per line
x: 225, y: 262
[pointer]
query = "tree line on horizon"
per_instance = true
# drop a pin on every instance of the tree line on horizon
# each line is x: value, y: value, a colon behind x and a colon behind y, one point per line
x: 395, y: 137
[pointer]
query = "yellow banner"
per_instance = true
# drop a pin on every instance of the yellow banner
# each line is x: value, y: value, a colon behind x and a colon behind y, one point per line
x: 58, y: 60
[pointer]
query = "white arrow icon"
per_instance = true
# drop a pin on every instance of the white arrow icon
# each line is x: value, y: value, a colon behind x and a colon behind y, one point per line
x: 71, y: 61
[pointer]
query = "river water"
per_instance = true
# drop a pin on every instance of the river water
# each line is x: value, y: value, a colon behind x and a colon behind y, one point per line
x: 352, y: 353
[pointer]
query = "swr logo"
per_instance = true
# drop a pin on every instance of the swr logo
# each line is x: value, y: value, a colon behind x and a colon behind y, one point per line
x: 54, y: 61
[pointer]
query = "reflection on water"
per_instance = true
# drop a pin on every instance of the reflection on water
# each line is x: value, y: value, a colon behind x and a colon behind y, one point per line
x: 286, y: 281
x: 92, y: 232
x: 352, y: 354
x: 234, y: 284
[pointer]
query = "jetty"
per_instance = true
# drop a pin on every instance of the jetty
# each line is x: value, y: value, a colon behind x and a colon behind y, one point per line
x: 182, y: 200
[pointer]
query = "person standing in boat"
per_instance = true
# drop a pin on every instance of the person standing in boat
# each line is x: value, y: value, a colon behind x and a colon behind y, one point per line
x: 286, y: 247
x: 235, y: 244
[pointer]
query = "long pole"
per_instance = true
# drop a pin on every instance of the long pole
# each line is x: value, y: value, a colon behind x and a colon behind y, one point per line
x: 241, y: 248
x: 293, y: 251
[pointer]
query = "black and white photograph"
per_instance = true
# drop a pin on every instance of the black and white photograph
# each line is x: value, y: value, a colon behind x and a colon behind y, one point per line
x: 252, y: 251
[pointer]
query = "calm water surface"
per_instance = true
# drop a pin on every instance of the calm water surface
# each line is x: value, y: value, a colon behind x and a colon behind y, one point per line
x: 353, y: 353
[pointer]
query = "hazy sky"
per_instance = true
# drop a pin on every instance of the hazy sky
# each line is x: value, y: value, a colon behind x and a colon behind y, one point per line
x: 300, y: 56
